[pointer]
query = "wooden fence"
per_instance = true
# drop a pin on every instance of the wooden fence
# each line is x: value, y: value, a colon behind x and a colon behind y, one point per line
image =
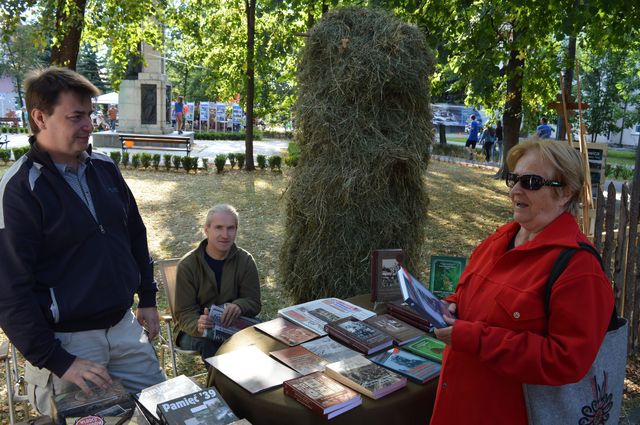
x: 620, y: 252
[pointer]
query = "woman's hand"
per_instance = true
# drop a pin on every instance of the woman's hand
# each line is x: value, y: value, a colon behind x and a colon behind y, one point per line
x: 446, y: 334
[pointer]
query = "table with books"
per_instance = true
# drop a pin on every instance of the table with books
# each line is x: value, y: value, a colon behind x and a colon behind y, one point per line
x: 412, y: 403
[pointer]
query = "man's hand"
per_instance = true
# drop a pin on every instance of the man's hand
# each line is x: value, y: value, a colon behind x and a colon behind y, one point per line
x: 446, y: 334
x: 231, y: 312
x: 148, y: 317
x: 83, y: 371
x: 204, y: 322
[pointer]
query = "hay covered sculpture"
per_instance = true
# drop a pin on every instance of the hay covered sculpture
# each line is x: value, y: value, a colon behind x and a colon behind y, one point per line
x: 364, y: 129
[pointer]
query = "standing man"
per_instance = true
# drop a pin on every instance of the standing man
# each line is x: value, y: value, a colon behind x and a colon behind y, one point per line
x: 472, y: 140
x: 113, y: 117
x: 216, y: 272
x: 74, y: 254
x: 544, y: 130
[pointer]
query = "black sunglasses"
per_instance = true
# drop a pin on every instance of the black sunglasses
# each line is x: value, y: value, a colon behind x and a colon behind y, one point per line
x: 530, y: 181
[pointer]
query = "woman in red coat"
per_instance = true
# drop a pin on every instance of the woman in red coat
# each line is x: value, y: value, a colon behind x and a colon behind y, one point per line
x: 502, y: 338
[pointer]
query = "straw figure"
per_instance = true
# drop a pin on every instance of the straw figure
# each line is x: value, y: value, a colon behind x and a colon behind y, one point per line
x: 364, y: 130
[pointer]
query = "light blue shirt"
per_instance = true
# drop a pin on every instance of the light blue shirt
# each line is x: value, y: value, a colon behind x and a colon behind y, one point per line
x: 77, y: 179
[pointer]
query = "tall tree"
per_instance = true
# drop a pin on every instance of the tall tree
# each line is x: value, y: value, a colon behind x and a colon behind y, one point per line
x: 88, y: 66
x: 250, y: 9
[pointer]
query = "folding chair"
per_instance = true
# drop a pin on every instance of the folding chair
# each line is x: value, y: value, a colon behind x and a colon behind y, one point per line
x: 16, y: 391
x: 168, y: 273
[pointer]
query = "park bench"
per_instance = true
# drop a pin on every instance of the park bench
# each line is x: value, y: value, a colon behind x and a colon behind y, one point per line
x: 154, y: 142
x: 13, y: 122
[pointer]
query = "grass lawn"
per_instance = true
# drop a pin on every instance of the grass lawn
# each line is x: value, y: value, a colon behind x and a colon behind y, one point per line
x: 615, y: 157
x: 466, y: 205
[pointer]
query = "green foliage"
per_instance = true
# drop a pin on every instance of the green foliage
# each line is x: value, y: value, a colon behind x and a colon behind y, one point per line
x: 125, y: 158
x: 275, y: 161
x: 5, y: 155
x: 18, y: 152
x: 240, y: 156
x: 156, y: 161
x: 166, y: 158
x: 135, y: 161
x: 232, y: 159
x: 262, y: 161
x: 217, y: 135
x: 293, y: 156
x: 187, y: 164
x: 205, y: 163
x: 145, y: 160
x: 177, y: 162
x: 115, y: 156
x: 220, y: 160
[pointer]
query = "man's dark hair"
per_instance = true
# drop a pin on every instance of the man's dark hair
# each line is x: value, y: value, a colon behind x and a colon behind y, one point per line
x: 473, y: 117
x: 544, y: 120
x: 43, y: 87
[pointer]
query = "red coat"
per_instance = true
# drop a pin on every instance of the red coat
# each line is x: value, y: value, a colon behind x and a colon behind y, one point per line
x: 501, y: 339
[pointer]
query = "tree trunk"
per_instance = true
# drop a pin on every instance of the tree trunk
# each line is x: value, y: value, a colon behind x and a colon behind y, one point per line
x: 251, y: 26
x: 624, y: 115
x: 69, y: 24
x: 567, y: 83
x: 512, y: 116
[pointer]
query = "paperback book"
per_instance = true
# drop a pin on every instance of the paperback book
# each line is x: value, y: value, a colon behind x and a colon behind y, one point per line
x: 419, y: 298
x: 300, y: 359
x: 201, y: 407
x: 416, y: 368
x: 113, y: 401
x: 286, y: 331
x: 322, y: 395
x: 313, y: 315
x: 358, y: 335
x: 149, y: 398
x: 366, y: 377
x: 329, y: 350
x: 385, y: 264
x: 428, y: 347
x: 252, y: 369
x: 445, y: 273
x: 405, y: 313
x: 401, y: 332
x: 221, y: 333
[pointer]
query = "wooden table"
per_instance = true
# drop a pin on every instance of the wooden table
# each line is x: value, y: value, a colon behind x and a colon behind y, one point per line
x: 411, y: 405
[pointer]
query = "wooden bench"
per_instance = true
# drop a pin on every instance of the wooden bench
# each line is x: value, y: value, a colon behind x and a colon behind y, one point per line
x: 13, y: 122
x: 139, y: 141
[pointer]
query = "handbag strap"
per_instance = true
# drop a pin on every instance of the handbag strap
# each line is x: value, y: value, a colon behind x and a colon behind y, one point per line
x: 558, y: 268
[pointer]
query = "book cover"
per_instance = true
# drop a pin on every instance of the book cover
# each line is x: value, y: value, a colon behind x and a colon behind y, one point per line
x: 365, y: 377
x: 417, y: 368
x: 428, y: 347
x: 286, y: 331
x: 322, y: 395
x: 149, y: 398
x: 300, y: 359
x: 359, y: 335
x: 313, y: 315
x: 111, y: 401
x: 405, y: 313
x: 385, y: 264
x: 221, y: 333
x: 445, y: 273
x: 252, y: 369
x: 329, y: 350
x: 419, y: 298
x: 401, y: 332
x: 201, y: 407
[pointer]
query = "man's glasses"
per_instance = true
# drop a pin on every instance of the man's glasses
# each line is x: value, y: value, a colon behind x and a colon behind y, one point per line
x: 530, y: 181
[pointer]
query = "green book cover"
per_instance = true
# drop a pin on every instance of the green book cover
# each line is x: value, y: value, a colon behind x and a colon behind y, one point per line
x: 445, y: 273
x: 427, y: 347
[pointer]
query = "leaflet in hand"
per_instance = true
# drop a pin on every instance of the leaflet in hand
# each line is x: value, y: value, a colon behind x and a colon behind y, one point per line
x: 222, y: 333
x: 418, y: 297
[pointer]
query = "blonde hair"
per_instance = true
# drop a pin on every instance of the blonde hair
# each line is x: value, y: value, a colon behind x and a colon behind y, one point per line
x: 566, y: 163
x: 222, y: 208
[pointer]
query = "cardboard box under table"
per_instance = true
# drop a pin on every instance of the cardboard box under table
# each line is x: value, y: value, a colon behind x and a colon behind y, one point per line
x: 411, y: 405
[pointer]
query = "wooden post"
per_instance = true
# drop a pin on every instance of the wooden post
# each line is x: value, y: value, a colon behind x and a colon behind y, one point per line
x: 587, y: 200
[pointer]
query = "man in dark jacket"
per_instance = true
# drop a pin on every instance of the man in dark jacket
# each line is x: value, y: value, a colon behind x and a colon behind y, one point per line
x: 74, y: 253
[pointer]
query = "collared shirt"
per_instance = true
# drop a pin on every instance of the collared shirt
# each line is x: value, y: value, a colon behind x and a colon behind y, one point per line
x: 77, y: 179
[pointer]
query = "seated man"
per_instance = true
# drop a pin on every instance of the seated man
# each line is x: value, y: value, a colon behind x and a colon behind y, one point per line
x: 216, y: 272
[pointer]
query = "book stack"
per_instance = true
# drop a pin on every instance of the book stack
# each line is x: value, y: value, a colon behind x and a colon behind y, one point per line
x: 408, y: 315
x: 200, y: 407
x: 110, y: 402
x: 322, y: 395
x: 149, y: 398
x: 416, y: 368
x: 401, y: 332
x: 221, y: 333
x: 366, y: 377
x: 300, y: 359
x: 428, y: 347
x: 286, y: 332
x: 313, y: 315
x: 329, y: 350
x: 359, y: 335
